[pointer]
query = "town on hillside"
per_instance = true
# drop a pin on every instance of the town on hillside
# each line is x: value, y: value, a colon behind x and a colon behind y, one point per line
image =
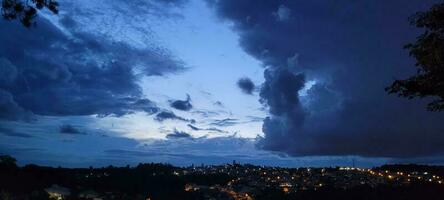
x: 228, y: 181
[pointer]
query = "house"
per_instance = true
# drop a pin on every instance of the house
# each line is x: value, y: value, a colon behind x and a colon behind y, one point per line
x: 57, y: 192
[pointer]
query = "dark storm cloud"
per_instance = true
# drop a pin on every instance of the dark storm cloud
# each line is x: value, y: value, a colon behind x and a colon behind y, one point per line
x: 184, y: 105
x: 10, y: 110
x: 320, y: 98
x: 49, y: 72
x: 69, y: 129
x: 178, y: 135
x: 280, y: 92
x: 168, y: 115
x: 246, y: 85
x: 327, y: 64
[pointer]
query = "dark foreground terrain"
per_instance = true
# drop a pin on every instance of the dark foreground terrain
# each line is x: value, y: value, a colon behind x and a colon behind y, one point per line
x: 230, y: 181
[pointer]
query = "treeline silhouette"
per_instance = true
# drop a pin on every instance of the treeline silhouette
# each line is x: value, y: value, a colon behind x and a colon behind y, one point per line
x: 157, y: 181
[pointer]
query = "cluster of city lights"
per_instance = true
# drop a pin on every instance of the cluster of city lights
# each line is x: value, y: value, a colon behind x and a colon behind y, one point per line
x: 292, y: 180
x: 419, y: 176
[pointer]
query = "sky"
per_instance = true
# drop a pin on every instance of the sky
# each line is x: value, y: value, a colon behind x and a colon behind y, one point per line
x: 281, y: 83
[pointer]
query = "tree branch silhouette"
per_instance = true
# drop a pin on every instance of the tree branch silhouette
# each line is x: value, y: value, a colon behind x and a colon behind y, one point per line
x: 428, y: 50
x: 26, y: 10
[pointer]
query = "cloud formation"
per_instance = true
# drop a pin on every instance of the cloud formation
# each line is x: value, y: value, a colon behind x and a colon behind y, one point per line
x: 225, y: 122
x: 179, y: 135
x: 282, y: 13
x: 79, y: 73
x: 184, y: 105
x: 246, y: 85
x: 48, y: 148
x: 69, y: 129
x: 194, y: 128
x: 327, y: 64
x: 168, y: 115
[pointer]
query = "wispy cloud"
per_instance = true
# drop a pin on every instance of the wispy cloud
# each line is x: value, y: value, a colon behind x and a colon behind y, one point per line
x: 13, y: 133
x: 225, y: 122
x: 194, y: 128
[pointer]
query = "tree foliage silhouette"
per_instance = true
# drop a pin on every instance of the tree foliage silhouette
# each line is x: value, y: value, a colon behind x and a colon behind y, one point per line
x: 26, y: 10
x: 428, y: 50
x: 7, y: 162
